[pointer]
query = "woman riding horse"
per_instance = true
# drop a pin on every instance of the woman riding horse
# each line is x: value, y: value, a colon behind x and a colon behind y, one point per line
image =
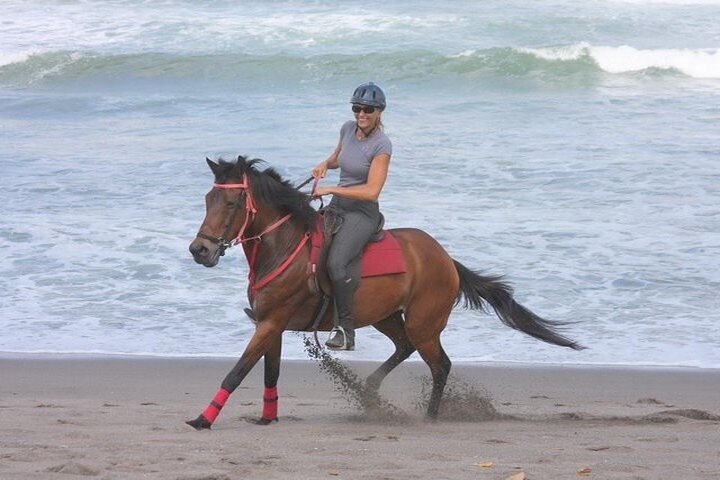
x: 363, y: 155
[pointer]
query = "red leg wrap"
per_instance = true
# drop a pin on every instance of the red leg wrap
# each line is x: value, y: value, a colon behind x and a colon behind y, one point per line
x: 213, y: 409
x: 270, y: 404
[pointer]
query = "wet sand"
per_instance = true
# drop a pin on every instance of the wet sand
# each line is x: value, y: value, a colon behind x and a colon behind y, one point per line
x: 123, y: 418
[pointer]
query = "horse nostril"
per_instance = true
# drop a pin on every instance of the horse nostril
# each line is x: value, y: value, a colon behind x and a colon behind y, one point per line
x: 197, y: 248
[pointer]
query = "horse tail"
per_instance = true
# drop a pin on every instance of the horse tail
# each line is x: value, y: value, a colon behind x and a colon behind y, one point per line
x: 474, y: 288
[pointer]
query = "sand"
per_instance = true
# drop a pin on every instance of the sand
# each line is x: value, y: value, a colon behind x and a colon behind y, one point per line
x: 123, y: 418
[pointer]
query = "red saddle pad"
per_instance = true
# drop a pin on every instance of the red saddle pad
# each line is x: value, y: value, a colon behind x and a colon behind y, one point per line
x: 383, y: 257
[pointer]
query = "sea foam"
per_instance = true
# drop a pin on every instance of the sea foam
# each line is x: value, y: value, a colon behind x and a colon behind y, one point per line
x: 11, y: 58
x: 700, y: 63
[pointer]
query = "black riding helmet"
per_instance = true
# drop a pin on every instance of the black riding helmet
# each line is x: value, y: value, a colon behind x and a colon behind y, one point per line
x: 370, y: 95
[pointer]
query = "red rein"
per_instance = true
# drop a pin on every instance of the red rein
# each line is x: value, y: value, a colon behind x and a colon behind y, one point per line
x: 251, y: 252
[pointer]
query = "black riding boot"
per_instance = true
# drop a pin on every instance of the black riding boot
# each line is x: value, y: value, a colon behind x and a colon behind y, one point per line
x: 342, y: 336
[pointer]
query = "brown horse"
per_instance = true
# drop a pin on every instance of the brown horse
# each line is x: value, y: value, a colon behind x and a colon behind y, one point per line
x: 271, y: 220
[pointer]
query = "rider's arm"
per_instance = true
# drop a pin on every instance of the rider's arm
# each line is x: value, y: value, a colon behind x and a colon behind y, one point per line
x: 332, y: 160
x: 369, y: 191
x: 329, y: 163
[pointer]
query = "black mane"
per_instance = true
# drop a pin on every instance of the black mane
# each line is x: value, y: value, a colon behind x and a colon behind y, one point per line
x: 270, y: 188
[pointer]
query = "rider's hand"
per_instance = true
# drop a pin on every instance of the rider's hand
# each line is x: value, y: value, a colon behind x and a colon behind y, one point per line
x: 320, y: 191
x: 321, y: 170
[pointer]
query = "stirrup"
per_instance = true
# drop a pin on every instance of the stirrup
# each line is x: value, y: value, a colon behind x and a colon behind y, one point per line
x: 334, y: 343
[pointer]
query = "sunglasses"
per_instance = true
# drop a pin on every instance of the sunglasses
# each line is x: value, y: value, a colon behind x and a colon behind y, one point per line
x: 360, y: 108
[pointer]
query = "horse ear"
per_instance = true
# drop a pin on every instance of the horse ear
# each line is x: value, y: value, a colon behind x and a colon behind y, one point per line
x: 241, y: 164
x: 213, y: 166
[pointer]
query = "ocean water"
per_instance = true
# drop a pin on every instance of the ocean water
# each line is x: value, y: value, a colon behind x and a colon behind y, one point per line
x: 572, y: 146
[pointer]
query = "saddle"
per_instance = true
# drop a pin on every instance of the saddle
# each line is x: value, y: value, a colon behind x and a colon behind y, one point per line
x: 381, y: 256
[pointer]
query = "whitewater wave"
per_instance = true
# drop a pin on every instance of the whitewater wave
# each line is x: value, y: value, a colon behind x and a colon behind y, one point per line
x: 625, y: 59
x: 28, y: 69
x: 18, y: 57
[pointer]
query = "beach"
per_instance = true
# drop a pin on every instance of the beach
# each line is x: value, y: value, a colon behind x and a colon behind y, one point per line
x: 64, y: 417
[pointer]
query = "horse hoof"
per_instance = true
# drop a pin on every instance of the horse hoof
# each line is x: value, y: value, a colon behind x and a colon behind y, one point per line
x: 200, y: 423
x: 265, y: 421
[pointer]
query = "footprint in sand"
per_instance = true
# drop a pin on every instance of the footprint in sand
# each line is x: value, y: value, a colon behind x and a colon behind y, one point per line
x: 216, y: 476
x: 693, y: 414
x: 74, y: 469
x: 48, y: 405
x: 61, y: 421
x: 609, y: 448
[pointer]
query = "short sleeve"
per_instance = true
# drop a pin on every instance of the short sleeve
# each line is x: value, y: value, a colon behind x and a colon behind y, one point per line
x: 384, y: 145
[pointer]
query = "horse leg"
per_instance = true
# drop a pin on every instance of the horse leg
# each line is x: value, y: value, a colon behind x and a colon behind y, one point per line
x: 266, y: 335
x: 272, y: 372
x: 392, y: 327
x: 439, y: 363
x: 424, y: 322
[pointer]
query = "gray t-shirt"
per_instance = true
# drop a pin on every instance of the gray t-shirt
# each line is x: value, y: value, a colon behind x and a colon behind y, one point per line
x: 356, y: 155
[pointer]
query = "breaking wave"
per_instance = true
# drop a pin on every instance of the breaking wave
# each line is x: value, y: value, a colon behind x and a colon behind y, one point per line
x: 24, y: 70
x: 624, y: 59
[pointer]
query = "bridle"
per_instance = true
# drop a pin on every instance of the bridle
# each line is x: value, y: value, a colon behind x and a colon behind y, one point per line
x: 222, y: 241
x: 250, y: 252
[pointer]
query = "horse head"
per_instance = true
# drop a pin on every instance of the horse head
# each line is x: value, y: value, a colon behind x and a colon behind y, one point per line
x: 232, y: 206
x: 228, y: 210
